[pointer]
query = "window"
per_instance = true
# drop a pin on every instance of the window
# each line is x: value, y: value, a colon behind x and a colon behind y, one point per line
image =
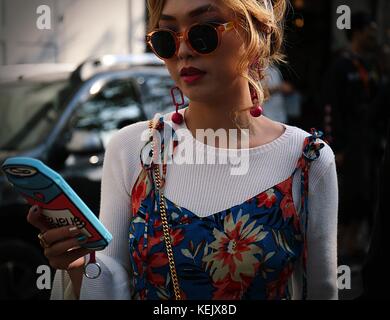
x: 110, y: 106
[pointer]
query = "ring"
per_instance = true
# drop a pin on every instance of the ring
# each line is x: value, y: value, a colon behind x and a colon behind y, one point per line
x: 42, y: 241
x: 91, y: 273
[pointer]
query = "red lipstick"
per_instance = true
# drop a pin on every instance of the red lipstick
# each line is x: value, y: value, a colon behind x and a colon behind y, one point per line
x: 191, y: 74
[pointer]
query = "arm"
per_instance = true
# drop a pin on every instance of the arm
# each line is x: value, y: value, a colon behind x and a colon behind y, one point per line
x: 113, y: 283
x: 322, y: 237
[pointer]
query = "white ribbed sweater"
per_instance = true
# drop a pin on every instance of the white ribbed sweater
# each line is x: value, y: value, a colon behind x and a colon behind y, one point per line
x: 205, y: 189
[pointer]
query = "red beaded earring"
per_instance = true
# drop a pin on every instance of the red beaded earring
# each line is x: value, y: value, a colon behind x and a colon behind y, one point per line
x: 177, y: 117
x: 256, y: 111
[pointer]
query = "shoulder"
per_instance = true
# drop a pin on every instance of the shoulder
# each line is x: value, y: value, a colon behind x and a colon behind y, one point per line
x: 128, y: 138
x: 124, y: 148
x: 326, y: 153
x: 122, y: 154
x: 132, y: 138
x: 320, y: 166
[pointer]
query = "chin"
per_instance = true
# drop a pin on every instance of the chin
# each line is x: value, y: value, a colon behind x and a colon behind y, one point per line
x: 197, y: 94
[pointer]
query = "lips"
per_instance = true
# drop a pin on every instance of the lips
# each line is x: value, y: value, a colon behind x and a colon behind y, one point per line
x: 191, y: 71
x: 193, y: 78
x: 191, y: 74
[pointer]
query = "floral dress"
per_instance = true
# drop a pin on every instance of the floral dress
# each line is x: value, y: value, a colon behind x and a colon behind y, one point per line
x: 245, y: 252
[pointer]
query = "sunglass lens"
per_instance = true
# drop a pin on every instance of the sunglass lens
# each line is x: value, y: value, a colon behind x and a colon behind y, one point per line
x: 164, y: 44
x: 203, y: 38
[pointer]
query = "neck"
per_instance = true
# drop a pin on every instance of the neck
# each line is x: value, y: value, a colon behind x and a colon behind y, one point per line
x: 218, y: 113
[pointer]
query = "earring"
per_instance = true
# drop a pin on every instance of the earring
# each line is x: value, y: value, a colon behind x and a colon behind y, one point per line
x: 177, y: 117
x: 256, y: 111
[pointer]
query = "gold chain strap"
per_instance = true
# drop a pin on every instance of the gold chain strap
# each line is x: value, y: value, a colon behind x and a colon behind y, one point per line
x: 163, y: 212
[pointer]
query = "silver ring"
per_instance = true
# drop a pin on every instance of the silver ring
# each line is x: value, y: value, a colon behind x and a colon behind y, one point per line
x: 90, y: 274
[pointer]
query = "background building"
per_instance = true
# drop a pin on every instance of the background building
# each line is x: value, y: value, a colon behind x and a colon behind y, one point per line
x: 79, y: 28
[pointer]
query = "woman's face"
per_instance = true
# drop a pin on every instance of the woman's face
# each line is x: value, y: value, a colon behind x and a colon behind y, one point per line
x: 220, y: 66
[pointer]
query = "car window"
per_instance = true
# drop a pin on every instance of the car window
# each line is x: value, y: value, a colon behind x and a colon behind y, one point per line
x: 156, y: 93
x: 110, y: 106
x: 29, y: 111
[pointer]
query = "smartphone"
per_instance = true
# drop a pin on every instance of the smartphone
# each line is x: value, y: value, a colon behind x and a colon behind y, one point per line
x: 61, y: 206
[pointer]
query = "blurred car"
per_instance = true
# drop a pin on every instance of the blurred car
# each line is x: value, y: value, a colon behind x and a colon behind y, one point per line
x: 65, y: 117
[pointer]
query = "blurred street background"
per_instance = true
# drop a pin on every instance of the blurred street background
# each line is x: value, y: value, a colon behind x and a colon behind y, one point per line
x: 65, y: 90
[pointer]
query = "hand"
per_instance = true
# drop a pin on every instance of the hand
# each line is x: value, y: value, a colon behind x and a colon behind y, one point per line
x: 61, y: 245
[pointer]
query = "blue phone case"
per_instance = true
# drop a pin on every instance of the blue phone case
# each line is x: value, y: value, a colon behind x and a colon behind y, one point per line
x: 42, y: 186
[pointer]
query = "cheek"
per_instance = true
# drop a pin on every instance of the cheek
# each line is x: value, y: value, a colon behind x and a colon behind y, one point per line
x: 172, y: 68
x: 228, y: 57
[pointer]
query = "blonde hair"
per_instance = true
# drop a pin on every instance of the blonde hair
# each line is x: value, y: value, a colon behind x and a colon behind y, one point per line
x: 263, y: 23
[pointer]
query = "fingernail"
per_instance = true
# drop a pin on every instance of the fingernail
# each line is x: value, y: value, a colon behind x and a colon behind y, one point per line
x: 73, y: 229
x: 82, y: 238
x: 35, y: 209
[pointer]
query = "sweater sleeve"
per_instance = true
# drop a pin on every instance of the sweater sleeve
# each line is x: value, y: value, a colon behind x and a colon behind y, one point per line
x: 321, y: 232
x: 114, y: 281
x: 322, y: 237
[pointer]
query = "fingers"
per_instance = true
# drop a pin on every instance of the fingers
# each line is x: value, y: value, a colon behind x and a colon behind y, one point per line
x: 55, y: 235
x: 36, y: 218
x: 63, y: 247
x: 63, y: 262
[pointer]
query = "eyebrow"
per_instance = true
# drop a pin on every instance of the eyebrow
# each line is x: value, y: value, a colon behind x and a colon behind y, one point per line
x: 193, y: 13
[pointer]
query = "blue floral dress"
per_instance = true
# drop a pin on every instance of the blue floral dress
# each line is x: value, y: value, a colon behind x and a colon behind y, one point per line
x: 245, y: 252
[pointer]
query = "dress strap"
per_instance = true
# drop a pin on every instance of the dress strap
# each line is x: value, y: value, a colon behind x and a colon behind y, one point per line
x: 310, y: 152
x: 165, y: 142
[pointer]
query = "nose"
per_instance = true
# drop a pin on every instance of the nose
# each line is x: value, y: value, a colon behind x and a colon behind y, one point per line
x: 184, y: 50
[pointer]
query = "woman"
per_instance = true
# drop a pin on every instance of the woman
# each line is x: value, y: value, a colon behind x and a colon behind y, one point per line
x: 234, y: 236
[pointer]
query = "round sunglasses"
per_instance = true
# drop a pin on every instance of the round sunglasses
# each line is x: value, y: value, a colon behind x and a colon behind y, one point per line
x: 202, y: 38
